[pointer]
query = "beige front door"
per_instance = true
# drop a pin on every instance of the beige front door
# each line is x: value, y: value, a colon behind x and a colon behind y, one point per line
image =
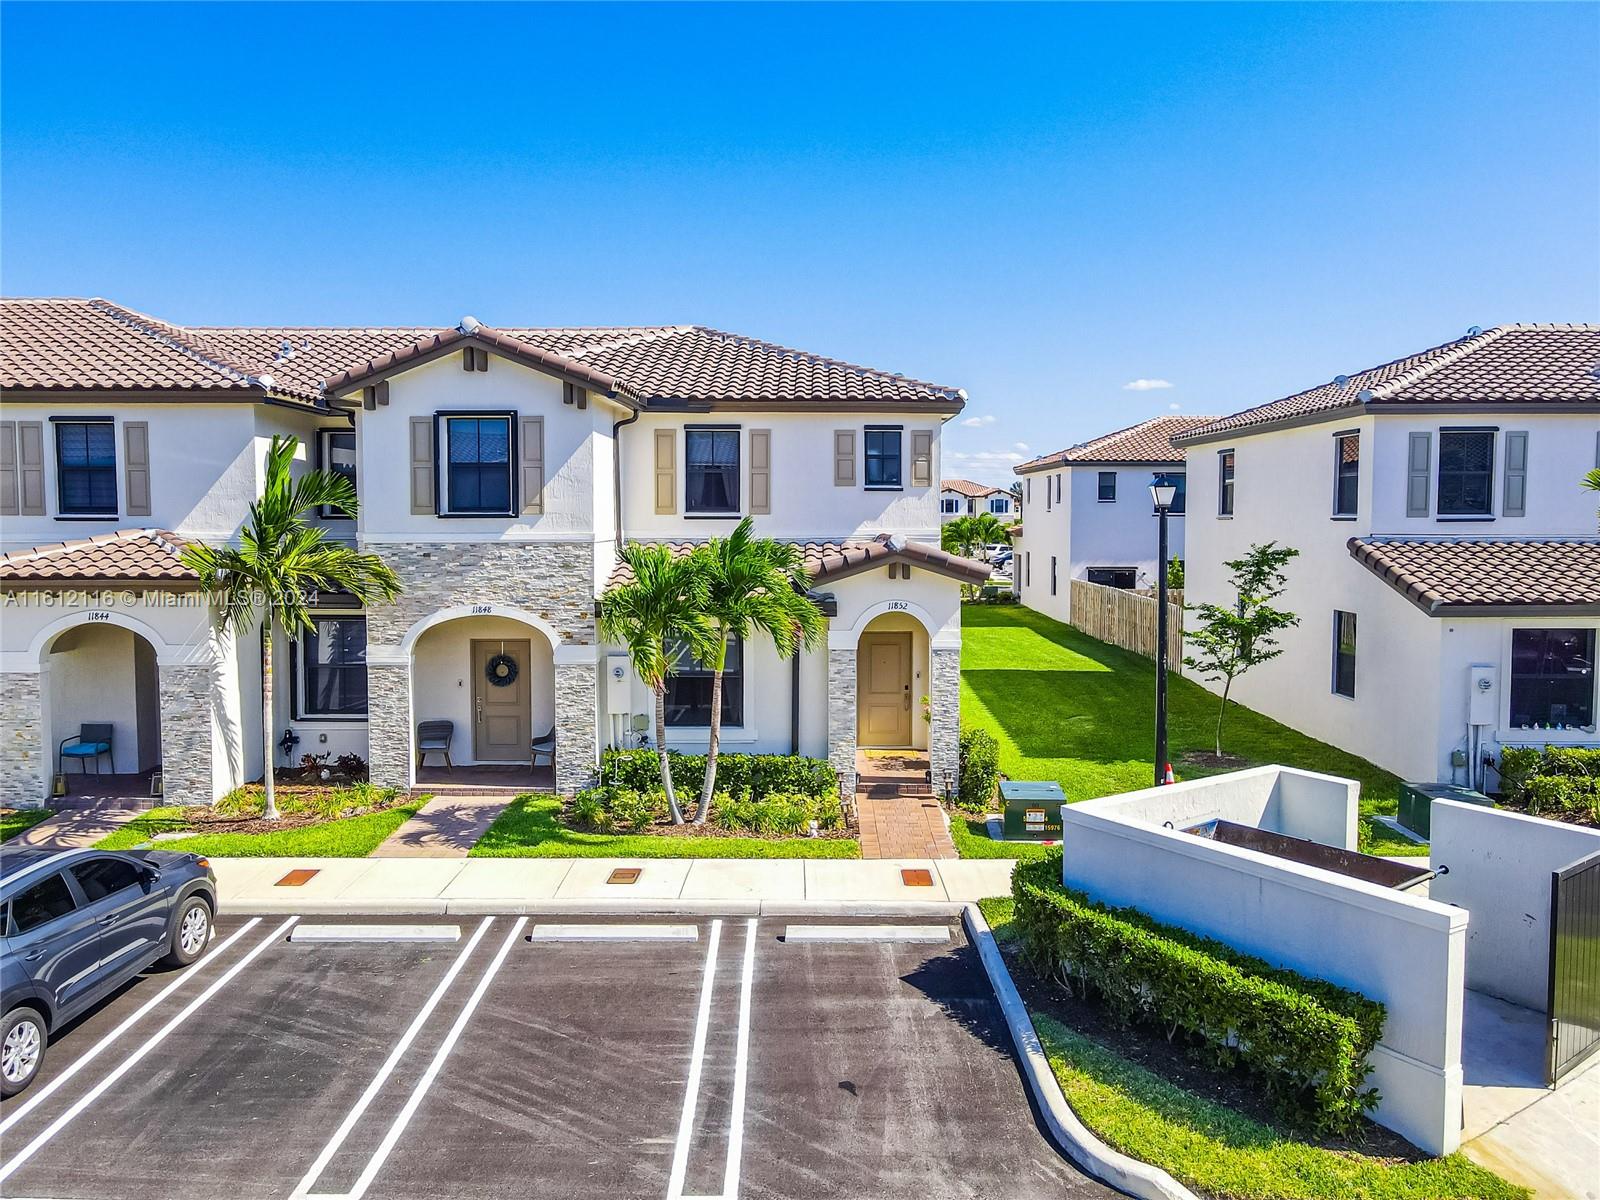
x: 502, y: 717
x: 883, y: 690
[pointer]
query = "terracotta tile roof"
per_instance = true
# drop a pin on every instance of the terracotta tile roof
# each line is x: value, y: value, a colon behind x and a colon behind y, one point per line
x: 1505, y: 365
x: 1459, y: 574
x: 129, y: 555
x: 966, y: 487
x: 1147, y: 442
x: 80, y: 344
x: 832, y: 560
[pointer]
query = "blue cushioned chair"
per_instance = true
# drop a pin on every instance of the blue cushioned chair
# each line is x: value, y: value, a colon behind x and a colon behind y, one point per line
x: 92, y: 741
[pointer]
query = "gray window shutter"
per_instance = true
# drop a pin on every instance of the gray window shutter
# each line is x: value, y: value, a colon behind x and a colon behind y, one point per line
x: 422, y: 499
x: 921, y: 458
x: 844, y: 458
x: 532, y: 452
x: 1419, y: 468
x: 666, y: 470
x: 1514, y: 501
x: 760, y: 471
x: 8, y: 469
x: 30, y: 467
x: 136, y: 467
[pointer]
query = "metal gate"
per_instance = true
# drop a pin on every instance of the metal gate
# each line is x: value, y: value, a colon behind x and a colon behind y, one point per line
x: 1574, y: 967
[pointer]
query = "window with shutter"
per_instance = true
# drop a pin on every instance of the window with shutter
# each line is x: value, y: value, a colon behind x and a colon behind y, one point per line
x: 532, y: 452
x: 844, y: 458
x: 86, y: 468
x: 136, y: 467
x: 1419, y: 465
x: 761, y: 471
x: 422, y: 472
x: 921, y: 458
x: 1514, y: 501
x: 666, y: 450
x: 10, y: 493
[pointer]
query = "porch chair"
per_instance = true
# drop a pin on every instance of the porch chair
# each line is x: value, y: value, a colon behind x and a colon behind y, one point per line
x: 92, y: 741
x: 545, y: 747
x: 434, y: 737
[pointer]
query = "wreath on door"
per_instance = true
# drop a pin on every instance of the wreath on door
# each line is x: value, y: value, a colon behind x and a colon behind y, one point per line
x: 501, y: 670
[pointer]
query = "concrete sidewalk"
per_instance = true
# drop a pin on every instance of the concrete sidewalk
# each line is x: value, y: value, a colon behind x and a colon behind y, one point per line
x: 524, y: 885
x: 448, y: 826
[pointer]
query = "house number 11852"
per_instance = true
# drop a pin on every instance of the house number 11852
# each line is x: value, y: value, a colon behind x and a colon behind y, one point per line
x: 898, y: 606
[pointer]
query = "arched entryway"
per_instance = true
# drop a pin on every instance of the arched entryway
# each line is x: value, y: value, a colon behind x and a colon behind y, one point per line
x: 100, y: 687
x: 891, y: 681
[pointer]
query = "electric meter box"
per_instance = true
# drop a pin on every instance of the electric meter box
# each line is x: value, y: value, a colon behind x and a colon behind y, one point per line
x: 1032, y: 810
x: 619, y: 692
x: 1483, y: 695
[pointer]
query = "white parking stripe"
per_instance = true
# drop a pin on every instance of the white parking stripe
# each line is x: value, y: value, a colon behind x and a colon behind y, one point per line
x: 423, y: 1084
x: 150, y: 1044
x: 697, y: 1054
x: 389, y: 1064
x: 43, y: 1093
x: 741, y: 1068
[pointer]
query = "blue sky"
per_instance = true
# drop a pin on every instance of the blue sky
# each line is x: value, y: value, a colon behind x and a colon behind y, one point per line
x: 1039, y: 204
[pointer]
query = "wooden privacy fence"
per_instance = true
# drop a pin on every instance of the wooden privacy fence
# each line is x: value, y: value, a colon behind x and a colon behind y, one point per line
x: 1127, y: 619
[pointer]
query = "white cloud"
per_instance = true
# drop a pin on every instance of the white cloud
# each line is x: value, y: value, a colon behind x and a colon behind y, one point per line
x: 1174, y: 406
x: 977, y: 422
x: 1145, y: 385
x: 1021, y: 445
x: 982, y: 459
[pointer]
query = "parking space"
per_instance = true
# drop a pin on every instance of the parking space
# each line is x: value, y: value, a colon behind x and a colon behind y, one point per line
x: 717, y: 1059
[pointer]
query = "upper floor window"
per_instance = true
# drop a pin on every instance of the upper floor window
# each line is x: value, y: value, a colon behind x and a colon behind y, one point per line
x: 1346, y: 473
x: 86, y: 468
x: 1028, y: 492
x: 339, y: 457
x: 1225, y: 483
x: 1106, y: 486
x: 1175, y: 479
x: 712, y: 460
x: 333, y: 668
x: 688, y: 699
x: 478, y: 465
x: 999, y: 504
x: 883, y: 456
x: 1552, y: 678
x: 1466, y: 472
x: 949, y: 505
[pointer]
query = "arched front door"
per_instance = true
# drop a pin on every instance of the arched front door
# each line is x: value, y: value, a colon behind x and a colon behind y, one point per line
x: 883, y: 689
x: 502, y: 726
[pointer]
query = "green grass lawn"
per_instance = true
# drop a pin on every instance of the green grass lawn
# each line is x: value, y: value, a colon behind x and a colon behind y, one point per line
x: 1067, y: 707
x: 528, y: 829
x: 13, y: 823
x: 350, y: 837
x: 1221, y: 1152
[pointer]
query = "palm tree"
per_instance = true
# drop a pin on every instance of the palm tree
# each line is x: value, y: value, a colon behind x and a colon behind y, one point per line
x: 664, y: 602
x: 967, y: 536
x: 279, y: 562
x: 1591, y: 481
x: 754, y: 585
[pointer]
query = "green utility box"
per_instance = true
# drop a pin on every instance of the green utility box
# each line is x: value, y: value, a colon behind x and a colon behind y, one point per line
x: 1416, y: 800
x: 1032, y: 810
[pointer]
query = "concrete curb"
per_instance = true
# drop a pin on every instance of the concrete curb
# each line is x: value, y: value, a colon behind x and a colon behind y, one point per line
x: 1110, y: 1166
x: 598, y: 908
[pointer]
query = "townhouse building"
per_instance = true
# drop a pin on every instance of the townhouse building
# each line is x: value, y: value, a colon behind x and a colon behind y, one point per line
x: 498, y: 472
x: 964, y: 498
x: 1090, y: 515
x: 1448, y: 583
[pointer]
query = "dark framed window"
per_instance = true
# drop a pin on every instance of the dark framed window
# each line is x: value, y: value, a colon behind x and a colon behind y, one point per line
x: 1552, y: 678
x: 883, y: 456
x: 478, y: 465
x: 102, y: 877
x: 86, y: 468
x: 45, y: 901
x: 1344, y: 653
x: 1225, y: 483
x: 1052, y: 574
x: 1466, y: 472
x: 999, y: 504
x: 688, y: 698
x: 1117, y: 577
x: 338, y: 458
x: 949, y: 505
x: 1346, y: 473
x: 1180, y: 498
x: 1108, y: 487
x: 711, y: 457
x: 333, y: 668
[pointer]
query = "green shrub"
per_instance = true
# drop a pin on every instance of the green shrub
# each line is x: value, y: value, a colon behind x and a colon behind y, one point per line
x: 1306, y: 1039
x: 1518, y: 764
x: 781, y: 813
x: 1571, y: 762
x: 756, y: 774
x: 591, y: 810
x: 980, y: 769
x: 1563, y: 795
x: 633, y: 809
x: 328, y: 804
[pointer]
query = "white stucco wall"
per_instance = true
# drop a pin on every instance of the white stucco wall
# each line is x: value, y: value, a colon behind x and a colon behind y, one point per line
x: 1302, y: 804
x: 1119, y: 533
x: 1500, y: 866
x: 1397, y: 948
x: 1046, y: 529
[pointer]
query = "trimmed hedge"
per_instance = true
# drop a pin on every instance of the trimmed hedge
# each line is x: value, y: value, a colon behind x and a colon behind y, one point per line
x: 980, y: 769
x: 1306, y: 1039
x: 752, y: 775
x: 1553, y: 781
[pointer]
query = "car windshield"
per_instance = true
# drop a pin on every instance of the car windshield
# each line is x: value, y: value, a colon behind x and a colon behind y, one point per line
x: 14, y: 861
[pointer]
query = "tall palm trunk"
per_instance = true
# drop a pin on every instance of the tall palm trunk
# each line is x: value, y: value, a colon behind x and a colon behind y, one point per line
x: 661, y: 753
x: 270, y: 812
x: 712, y: 743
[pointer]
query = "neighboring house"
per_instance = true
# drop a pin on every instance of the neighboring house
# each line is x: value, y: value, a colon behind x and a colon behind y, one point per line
x: 1090, y: 515
x: 498, y: 471
x: 1448, y: 584
x: 963, y: 498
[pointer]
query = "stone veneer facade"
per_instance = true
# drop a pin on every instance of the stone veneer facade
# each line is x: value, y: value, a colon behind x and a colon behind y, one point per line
x: 944, y: 734
x: 22, y: 728
x: 553, y: 581
x: 187, y: 696
x: 842, y: 716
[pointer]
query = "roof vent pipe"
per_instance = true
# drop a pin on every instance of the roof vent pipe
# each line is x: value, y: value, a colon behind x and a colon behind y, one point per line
x: 1364, y: 395
x: 470, y: 324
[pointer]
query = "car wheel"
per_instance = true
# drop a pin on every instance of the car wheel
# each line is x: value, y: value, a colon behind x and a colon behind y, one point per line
x: 190, y: 932
x: 22, y: 1042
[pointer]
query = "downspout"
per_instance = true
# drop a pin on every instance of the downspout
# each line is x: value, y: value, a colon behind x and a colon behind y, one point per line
x: 616, y: 470
x: 794, y: 702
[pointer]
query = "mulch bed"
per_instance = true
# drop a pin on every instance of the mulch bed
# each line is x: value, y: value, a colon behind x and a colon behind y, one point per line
x: 1205, y: 758
x: 1174, y: 1062
x: 1565, y: 816
x: 203, y: 819
x: 708, y: 830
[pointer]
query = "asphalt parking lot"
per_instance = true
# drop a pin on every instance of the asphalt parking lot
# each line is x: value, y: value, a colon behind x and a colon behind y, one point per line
x: 727, y: 1060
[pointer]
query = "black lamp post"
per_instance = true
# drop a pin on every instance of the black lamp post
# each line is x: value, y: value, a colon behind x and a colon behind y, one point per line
x: 1163, y: 494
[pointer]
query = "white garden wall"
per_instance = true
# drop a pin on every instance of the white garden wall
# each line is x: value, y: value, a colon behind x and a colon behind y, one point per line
x: 1500, y: 866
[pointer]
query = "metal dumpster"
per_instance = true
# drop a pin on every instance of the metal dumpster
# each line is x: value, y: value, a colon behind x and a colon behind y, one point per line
x: 1032, y: 810
x: 1416, y: 803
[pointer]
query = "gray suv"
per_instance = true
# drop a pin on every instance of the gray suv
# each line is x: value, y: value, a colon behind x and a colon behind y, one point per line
x: 75, y: 925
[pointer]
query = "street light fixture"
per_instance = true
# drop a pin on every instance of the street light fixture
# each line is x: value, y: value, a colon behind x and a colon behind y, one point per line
x: 1162, y: 494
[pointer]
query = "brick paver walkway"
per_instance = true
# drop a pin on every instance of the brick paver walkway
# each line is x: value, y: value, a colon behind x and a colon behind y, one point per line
x: 445, y: 827
x: 903, y: 827
x: 72, y: 829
